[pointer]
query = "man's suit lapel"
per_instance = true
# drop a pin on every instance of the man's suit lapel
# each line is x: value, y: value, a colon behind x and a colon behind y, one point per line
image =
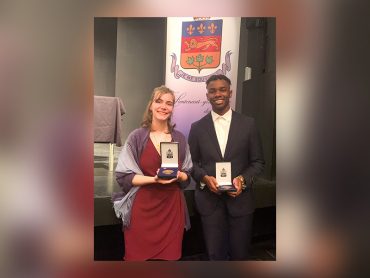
x: 210, y: 127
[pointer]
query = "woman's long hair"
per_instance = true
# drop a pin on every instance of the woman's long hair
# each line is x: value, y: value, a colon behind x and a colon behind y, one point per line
x: 148, y: 114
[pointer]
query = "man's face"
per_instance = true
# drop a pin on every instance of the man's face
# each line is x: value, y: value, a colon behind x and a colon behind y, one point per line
x: 218, y: 94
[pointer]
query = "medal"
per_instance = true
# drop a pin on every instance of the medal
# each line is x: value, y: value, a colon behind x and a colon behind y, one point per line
x: 168, y: 172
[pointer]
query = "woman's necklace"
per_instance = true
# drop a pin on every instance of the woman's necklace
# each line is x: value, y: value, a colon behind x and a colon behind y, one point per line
x: 160, y: 138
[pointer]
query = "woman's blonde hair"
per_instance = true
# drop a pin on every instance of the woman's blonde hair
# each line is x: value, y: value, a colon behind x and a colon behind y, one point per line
x: 148, y: 114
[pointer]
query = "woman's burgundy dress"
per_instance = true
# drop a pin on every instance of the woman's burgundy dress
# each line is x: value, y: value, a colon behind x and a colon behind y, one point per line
x: 157, y: 220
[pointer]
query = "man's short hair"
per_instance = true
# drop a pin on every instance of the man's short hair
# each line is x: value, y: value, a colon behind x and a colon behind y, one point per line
x: 218, y: 77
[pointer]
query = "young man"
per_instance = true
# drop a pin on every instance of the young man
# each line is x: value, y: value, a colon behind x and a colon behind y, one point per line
x: 225, y: 136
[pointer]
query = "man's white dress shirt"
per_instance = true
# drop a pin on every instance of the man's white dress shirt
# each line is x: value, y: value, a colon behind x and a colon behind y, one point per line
x: 222, y: 127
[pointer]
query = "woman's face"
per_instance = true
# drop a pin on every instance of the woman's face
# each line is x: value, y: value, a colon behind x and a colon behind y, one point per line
x: 162, y: 107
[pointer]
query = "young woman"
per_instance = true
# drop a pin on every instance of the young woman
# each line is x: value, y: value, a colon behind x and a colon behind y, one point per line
x: 156, y: 214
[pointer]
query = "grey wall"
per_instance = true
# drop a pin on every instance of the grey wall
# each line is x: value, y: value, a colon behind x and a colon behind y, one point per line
x: 140, y: 66
x: 105, y: 43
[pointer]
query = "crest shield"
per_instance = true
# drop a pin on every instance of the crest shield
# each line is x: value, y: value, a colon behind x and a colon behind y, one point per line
x: 201, y: 44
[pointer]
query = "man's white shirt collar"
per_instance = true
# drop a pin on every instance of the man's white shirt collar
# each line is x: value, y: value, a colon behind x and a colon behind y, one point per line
x: 226, y: 116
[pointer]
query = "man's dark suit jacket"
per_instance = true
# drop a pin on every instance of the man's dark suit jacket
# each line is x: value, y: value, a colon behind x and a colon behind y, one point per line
x: 243, y: 150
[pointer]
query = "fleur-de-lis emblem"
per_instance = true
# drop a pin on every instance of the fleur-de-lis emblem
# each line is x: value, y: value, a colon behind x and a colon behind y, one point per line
x: 190, y: 29
x: 212, y: 28
x: 201, y: 28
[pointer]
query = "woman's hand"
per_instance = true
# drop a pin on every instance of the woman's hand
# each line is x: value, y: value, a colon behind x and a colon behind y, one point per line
x: 163, y: 181
x: 181, y: 176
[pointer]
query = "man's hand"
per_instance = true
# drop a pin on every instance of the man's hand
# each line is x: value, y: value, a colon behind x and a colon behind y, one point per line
x: 238, y: 185
x: 212, y: 184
